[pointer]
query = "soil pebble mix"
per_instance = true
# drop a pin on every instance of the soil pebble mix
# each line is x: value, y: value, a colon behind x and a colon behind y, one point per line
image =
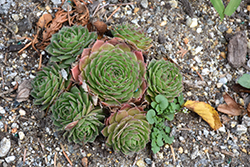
x: 189, y: 33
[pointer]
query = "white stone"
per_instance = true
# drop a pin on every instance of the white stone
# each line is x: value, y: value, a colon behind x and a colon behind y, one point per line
x: 241, y: 129
x: 21, y: 135
x: 22, y: 112
x: 15, y: 17
x: 5, y: 145
x: 198, y: 49
x: 192, y: 22
x: 205, y: 71
x: 10, y: 159
x: 173, y: 3
x: 219, y: 85
x: 56, y: 2
x: 2, y: 110
x: 199, y: 30
x: 222, y: 129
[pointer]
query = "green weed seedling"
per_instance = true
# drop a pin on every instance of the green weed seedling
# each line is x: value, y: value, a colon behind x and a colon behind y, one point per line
x: 161, y: 111
x: 229, y: 10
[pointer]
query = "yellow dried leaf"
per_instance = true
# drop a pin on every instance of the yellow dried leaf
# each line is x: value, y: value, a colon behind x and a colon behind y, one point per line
x: 207, y: 112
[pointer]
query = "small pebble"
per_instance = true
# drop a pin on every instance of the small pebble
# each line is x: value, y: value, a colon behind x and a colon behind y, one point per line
x: 148, y: 161
x: 15, y: 17
x: 21, y: 135
x: 199, y: 30
x: 5, y: 145
x: 222, y: 129
x: 22, y: 112
x: 141, y: 163
x: 2, y: 110
x: 10, y: 159
x: 192, y: 22
x: 180, y: 150
x: 241, y: 129
x: 229, y: 31
x: 144, y: 4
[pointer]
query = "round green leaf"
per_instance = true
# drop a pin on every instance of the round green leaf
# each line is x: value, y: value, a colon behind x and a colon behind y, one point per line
x: 245, y: 81
x: 162, y: 101
x: 150, y: 116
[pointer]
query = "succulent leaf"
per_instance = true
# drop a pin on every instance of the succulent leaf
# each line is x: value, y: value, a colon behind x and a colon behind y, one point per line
x: 163, y: 78
x: 127, y: 130
x: 133, y: 35
x: 73, y: 111
x: 68, y: 43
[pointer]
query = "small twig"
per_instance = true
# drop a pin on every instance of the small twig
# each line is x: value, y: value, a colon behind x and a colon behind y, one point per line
x: 28, y: 119
x: 198, y: 73
x: 135, y: 160
x: 179, y: 129
x: 172, y: 150
x: 182, y: 52
x: 66, y: 156
x: 97, y: 8
x: 13, y: 33
x: 42, y: 146
x: 122, y: 4
x: 5, y: 127
x: 40, y: 61
x: 2, y: 78
x: 69, y: 17
x: 26, y: 46
x: 113, y: 13
x: 24, y: 155
x: 55, y: 159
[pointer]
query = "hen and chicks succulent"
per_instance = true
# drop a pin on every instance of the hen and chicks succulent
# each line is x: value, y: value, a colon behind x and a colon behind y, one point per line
x: 111, y: 71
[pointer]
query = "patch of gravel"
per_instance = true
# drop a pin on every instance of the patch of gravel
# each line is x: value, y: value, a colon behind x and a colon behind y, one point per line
x: 25, y: 131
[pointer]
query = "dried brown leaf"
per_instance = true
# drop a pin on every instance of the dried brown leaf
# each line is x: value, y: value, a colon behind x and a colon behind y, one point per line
x: 238, y: 88
x: 248, y: 109
x: 23, y: 91
x: 44, y: 20
x: 101, y: 27
x: 231, y: 107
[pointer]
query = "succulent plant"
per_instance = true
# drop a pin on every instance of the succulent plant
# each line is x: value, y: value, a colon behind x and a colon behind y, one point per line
x: 127, y: 130
x: 68, y: 43
x: 47, y: 85
x: 74, y: 112
x: 164, y: 78
x: 112, y: 72
x: 133, y: 35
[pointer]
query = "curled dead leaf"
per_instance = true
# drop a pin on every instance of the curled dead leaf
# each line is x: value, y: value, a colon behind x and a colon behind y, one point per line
x: 231, y: 107
x: 23, y: 91
x: 101, y: 28
x: 44, y: 20
x: 207, y: 112
x: 248, y: 109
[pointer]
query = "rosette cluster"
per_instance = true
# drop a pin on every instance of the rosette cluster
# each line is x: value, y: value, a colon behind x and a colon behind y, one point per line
x: 73, y: 111
x: 134, y: 35
x: 127, y: 130
x: 47, y: 85
x: 112, y: 71
x: 164, y: 78
x: 68, y: 43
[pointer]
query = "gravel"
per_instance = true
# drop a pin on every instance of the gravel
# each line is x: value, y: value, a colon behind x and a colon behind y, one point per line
x: 28, y: 137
